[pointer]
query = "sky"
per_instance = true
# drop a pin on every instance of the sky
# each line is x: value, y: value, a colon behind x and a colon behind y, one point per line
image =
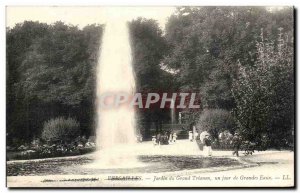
x: 84, y: 15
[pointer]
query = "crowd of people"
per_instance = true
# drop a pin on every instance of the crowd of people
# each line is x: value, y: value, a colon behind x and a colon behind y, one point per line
x: 167, y: 138
x: 164, y: 139
x: 236, y: 144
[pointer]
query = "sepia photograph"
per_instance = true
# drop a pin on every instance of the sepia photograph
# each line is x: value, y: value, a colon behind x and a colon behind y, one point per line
x: 150, y: 96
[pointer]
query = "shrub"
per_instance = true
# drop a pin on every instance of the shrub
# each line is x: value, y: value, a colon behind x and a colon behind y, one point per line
x: 52, y: 150
x: 60, y: 129
x: 215, y: 121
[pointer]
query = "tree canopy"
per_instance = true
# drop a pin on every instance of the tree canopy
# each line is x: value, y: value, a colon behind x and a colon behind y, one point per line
x: 210, y: 45
x: 50, y: 72
x: 239, y: 59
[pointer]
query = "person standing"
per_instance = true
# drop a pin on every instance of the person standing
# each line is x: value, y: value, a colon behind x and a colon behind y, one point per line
x: 154, y: 140
x: 236, y: 142
x: 190, y: 136
x: 164, y: 139
x: 158, y: 139
x: 174, y: 137
x: 170, y: 138
x: 207, y: 150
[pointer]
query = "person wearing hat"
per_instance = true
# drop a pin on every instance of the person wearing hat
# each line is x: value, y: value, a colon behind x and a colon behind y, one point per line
x: 236, y: 142
x: 207, y: 146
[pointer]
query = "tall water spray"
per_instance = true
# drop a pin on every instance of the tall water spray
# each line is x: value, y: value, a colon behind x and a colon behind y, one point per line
x: 115, y: 126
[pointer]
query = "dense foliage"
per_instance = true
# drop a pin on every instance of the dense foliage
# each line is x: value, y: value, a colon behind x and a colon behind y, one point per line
x: 215, y: 121
x: 264, y: 93
x: 149, y: 46
x: 50, y: 73
x: 60, y: 129
x: 207, y: 43
x: 210, y: 46
x: 239, y: 59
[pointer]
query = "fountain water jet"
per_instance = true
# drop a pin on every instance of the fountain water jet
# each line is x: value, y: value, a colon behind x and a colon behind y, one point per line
x: 115, y: 126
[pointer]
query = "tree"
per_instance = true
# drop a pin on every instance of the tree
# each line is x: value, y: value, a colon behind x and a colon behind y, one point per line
x: 51, y: 75
x: 149, y: 46
x: 264, y: 93
x: 18, y: 41
x: 206, y: 43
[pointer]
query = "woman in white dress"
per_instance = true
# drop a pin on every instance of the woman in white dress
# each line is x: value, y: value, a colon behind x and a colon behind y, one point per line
x: 154, y: 140
x: 174, y: 137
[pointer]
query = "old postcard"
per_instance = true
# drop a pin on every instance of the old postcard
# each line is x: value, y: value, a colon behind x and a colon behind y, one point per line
x: 188, y: 96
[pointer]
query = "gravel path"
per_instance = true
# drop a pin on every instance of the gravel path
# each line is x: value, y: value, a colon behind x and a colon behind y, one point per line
x: 173, y: 168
